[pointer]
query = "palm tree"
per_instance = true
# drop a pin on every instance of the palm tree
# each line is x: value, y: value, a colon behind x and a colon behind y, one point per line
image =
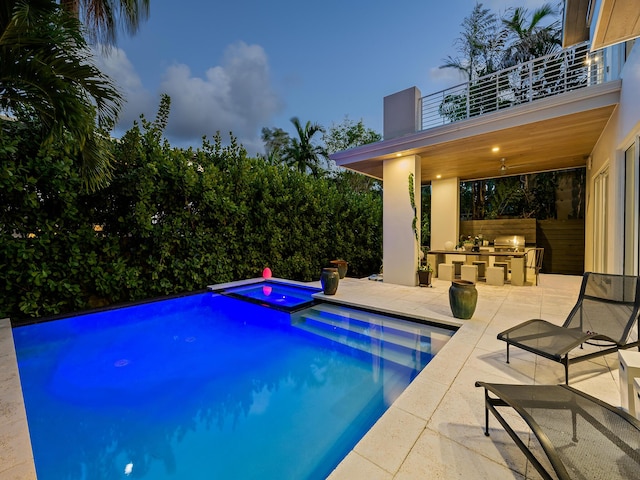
x: 48, y: 80
x: 103, y: 18
x: 480, y: 44
x: 532, y: 40
x: 302, y: 153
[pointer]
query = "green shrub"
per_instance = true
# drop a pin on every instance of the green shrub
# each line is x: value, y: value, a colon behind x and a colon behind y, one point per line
x: 172, y: 220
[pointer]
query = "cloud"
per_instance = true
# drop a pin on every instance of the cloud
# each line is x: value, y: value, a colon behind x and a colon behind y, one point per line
x: 137, y: 99
x: 446, y: 77
x: 236, y: 96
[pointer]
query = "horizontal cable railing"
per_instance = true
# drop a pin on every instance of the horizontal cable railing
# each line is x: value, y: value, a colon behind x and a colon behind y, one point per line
x: 542, y: 77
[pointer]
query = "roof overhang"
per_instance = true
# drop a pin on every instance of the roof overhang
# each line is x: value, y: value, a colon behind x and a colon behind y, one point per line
x: 549, y: 134
x: 616, y: 21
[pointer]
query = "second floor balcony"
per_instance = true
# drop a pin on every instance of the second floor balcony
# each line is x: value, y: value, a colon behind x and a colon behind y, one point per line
x: 570, y: 69
x: 545, y: 114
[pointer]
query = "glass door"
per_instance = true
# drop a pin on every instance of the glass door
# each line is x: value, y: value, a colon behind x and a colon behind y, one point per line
x: 631, y: 211
x: 601, y: 192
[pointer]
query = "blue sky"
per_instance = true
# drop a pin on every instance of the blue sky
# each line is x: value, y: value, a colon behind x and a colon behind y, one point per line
x: 240, y: 66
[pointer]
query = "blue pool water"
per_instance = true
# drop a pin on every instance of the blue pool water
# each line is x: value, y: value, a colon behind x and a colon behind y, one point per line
x: 211, y: 387
x: 278, y: 295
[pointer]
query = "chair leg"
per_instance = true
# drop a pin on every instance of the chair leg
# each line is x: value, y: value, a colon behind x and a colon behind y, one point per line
x: 508, y: 352
x: 486, y: 413
x: 566, y: 370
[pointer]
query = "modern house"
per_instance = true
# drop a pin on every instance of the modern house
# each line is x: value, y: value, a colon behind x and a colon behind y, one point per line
x: 577, y: 108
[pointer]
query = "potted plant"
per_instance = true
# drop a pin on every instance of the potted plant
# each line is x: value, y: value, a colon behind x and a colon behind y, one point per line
x: 425, y: 273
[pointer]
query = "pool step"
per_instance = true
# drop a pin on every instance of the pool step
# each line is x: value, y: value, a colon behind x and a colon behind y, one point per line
x: 378, y: 326
x: 378, y: 335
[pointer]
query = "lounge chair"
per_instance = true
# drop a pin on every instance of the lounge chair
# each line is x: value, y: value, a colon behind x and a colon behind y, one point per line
x: 581, y: 437
x: 603, y: 316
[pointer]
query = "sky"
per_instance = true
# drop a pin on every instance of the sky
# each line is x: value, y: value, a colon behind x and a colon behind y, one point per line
x: 243, y: 65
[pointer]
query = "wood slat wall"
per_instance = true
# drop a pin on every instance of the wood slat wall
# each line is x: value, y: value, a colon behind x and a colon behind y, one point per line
x: 563, y: 243
x: 562, y: 240
x: 490, y: 229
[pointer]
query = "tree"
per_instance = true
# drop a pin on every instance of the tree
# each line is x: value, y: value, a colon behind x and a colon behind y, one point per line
x: 276, y: 141
x: 349, y: 134
x: 532, y: 40
x: 302, y: 153
x: 48, y: 80
x: 346, y: 135
x: 103, y: 18
x: 479, y: 46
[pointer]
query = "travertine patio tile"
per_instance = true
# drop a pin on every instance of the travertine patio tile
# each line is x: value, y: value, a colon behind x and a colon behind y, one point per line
x: 356, y: 467
x: 437, y: 457
x: 390, y: 439
x: 422, y: 398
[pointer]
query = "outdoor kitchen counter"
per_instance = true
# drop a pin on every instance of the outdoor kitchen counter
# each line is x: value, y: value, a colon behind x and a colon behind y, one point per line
x: 518, y: 271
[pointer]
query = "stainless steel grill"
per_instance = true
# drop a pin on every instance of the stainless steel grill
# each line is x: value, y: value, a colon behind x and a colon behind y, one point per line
x: 509, y: 243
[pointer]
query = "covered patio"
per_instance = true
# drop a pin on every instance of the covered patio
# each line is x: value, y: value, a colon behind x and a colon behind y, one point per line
x: 551, y: 133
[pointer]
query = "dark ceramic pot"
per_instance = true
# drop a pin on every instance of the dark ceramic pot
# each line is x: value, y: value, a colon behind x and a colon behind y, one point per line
x: 329, y: 280
x: 424, y: 278
x: 463, y: 298
x: 341, y: 265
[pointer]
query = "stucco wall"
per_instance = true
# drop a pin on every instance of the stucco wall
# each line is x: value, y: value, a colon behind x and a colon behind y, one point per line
x: 401, y: 113
x: 617, y: 136
x: 399, y: 245
x: 445, y: 212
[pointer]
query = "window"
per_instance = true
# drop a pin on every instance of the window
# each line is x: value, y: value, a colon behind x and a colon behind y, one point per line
x: 631, y: 246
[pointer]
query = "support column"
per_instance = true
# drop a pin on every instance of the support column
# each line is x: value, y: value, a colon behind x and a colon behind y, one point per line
x: 399, y: 245
x: 445, y: 213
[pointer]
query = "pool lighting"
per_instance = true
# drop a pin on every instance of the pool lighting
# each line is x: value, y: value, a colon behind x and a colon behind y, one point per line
x: 266, y: 273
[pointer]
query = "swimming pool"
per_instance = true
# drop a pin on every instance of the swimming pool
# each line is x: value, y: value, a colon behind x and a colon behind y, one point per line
x: 282, y: 296
x: 207, y: 386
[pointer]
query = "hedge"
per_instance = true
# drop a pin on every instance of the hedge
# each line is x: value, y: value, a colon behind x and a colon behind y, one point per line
x: 172, y: 220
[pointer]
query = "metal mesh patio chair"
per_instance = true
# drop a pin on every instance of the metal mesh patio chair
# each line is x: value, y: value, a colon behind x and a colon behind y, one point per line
x: 538, y: 255
x: 602, y: 318
x: 581, y: 437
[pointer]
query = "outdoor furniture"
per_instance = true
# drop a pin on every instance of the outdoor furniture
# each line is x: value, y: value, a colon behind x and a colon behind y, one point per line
x: 505, y: 267
x: 538, y: 254
x: 517, y: 261
x: 603, y: 317
x: 581, y: 437
x: 446, y: 271
x: 495, y: 276
x: 469, y: 273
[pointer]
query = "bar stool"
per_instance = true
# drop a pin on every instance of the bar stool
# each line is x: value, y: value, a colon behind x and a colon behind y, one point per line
x: 495, y: 276
x: 446, y: 271
x: 504, y: 265
x: 470, y: 273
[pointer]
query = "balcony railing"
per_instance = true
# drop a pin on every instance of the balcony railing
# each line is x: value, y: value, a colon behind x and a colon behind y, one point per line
x: 543, y: 77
